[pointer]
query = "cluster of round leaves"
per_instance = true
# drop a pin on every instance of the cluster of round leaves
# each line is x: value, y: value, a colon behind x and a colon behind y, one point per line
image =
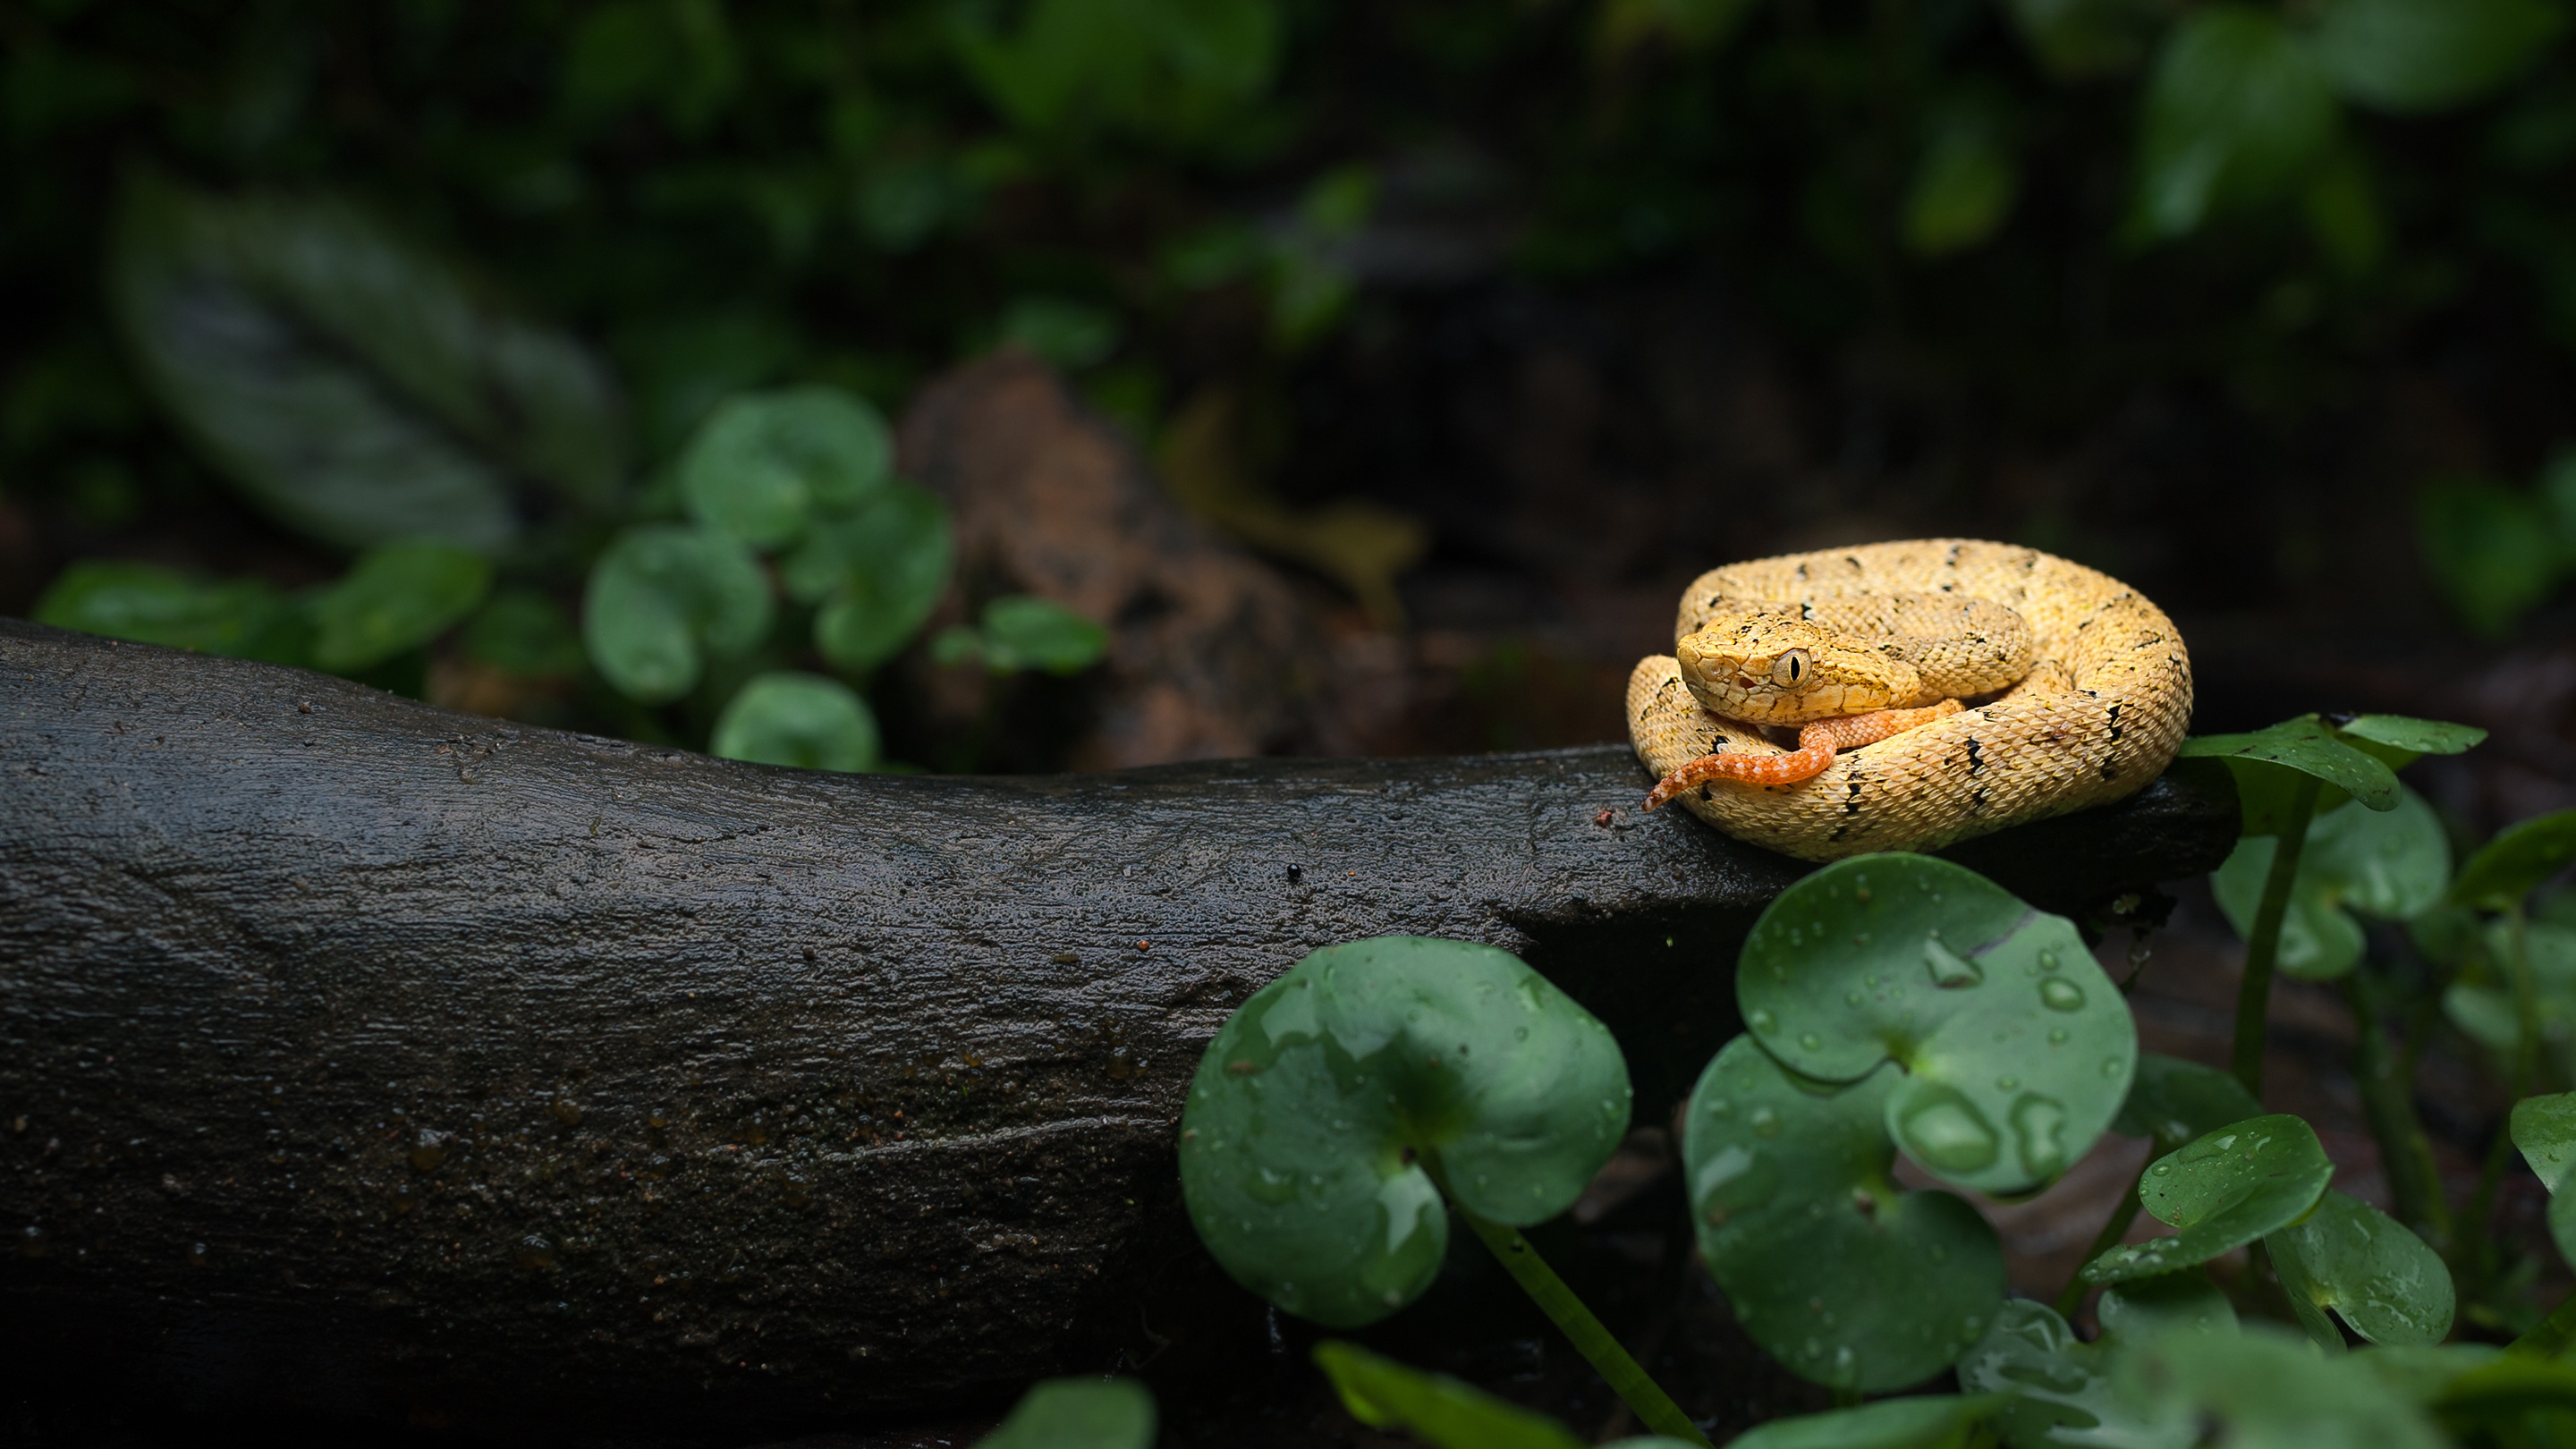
x: 1898, y: 1003
x: 805, y: 476
x: 798, y: 486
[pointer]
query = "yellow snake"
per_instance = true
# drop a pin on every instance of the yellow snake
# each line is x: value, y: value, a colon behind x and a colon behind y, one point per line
x: 2076, y: 691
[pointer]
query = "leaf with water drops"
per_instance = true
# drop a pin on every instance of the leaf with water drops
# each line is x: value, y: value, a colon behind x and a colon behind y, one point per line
x: 2264, y: 1389
x: 2060, y: 1386
x: 2016, y: 1048
x: 2175, y: 1101
x: 1434, y: 1408
x: 1078, y: 1414
x: 1328, y: 1101
x: 1931, y: 1421
x: 2267, y: 764
x: 2223, y: 1191
x: 2388, y: 865
x: 2378, y: 1277
x: 2398, y: 740
x: 2514, y: 864
x: 1832, y: 1268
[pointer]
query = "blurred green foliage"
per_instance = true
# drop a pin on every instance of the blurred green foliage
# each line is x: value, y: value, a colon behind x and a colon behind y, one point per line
x: 481, y: 274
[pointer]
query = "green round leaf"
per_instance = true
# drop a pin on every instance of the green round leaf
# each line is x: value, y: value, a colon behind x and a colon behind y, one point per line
x: 804, y: 720
x: 2388, y: 864
x: 2017, y: 1050
x: 2378, y: 1277
x: 2490, y: 548
x: 1070, y: 334
x: 1078, y: 1414
x: 2059, y: 1387
x: 2512, y: 865
x: 2263, y: 1390
x: 242, y: 618
x: 662, y: 598
x: 2165, y: 1303
x: 877, y: 570
x: 1021, y: 632
x: 763, y: 463
x: 1830, y: 1267
x: 2175, y: 1101
x: 1321, y: 1103
x: 2480, y: 1383
x: 1929, y: 1422
x: 2223, y: 1191
x: 396, y: 597
x: 2268, y: 762
x: 2427, y: 55
x: 1434, y: 1408
x: 2235, y: 111
x: 523, y: 632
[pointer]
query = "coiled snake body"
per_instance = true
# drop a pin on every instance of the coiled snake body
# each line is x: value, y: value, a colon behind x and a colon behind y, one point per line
x: 1945, y: 688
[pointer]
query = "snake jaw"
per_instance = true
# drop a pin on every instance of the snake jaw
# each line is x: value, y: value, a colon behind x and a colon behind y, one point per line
x: 1729, y: 667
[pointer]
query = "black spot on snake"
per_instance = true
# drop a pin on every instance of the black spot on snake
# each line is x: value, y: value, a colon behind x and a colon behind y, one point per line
x: 1976, y: 757
x: 2109, y: 770
x: 1977, y: 801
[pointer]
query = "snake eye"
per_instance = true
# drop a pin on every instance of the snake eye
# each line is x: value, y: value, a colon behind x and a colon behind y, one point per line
x: 1790, y: 670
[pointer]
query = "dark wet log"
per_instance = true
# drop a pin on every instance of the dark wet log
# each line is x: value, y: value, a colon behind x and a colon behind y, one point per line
x: 359, y: 1053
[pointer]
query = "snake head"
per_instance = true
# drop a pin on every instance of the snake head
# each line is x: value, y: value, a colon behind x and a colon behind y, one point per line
x: 1765, y: 669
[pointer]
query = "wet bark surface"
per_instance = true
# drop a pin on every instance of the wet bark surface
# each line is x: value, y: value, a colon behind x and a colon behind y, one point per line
x: 367, y: 1056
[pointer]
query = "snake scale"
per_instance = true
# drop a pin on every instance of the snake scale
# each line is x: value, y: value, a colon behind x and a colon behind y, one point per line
x: 1944, y: 688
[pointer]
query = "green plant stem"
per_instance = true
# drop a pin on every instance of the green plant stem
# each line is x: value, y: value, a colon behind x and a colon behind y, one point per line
x: 2116, y: 1227
x: 2263, y: 947
x: 1655, y: 1408
x: 2388, y: 1101
x: 2526, y: 1064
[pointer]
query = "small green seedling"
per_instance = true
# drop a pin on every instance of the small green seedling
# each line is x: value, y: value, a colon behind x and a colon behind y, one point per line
x: 2262, y: 1389
x: 1934, y: 1421
x: 765, y: 465
x: 1020, y: 633
x: 2057, y: 1388
x: 2223, y: 1191
x: 1441, y: 1411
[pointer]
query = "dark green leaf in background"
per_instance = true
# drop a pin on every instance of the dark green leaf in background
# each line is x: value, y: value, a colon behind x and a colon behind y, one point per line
x: 2176, y: 1101
x: 243, y: 618
x: 2517, y: 861
x: 2075, y: 39
x: 2017, y: 1050
x: 1830, y: 1266
x: 1078, y: 1414
x: 2425, y: 55
x: 1963, y: 189
x: 1171, y: 72
x: 2059, y: 1387
x: 2387, y: 865
x: 663, y: 598
x: 1434, y: 1408
x: 2264, y: 1389
x: 1072, y: 335
x: 1932, y: 1421
x: 2378, y: 1277
x: 2223, y: 1190
x: 2236, y: 110
x: 674, y: 55
x: 2494, y: 551
x: 1326, y: 1102
x: 2544, y: 1128
x: 804, y: 720
x: 352, y: 383
x: 877, y: 571
x: 2143, y: 1307
x: 1024, y: 632
x: 523, y: 632
x: 396, y: 597
x: 764, y: 463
